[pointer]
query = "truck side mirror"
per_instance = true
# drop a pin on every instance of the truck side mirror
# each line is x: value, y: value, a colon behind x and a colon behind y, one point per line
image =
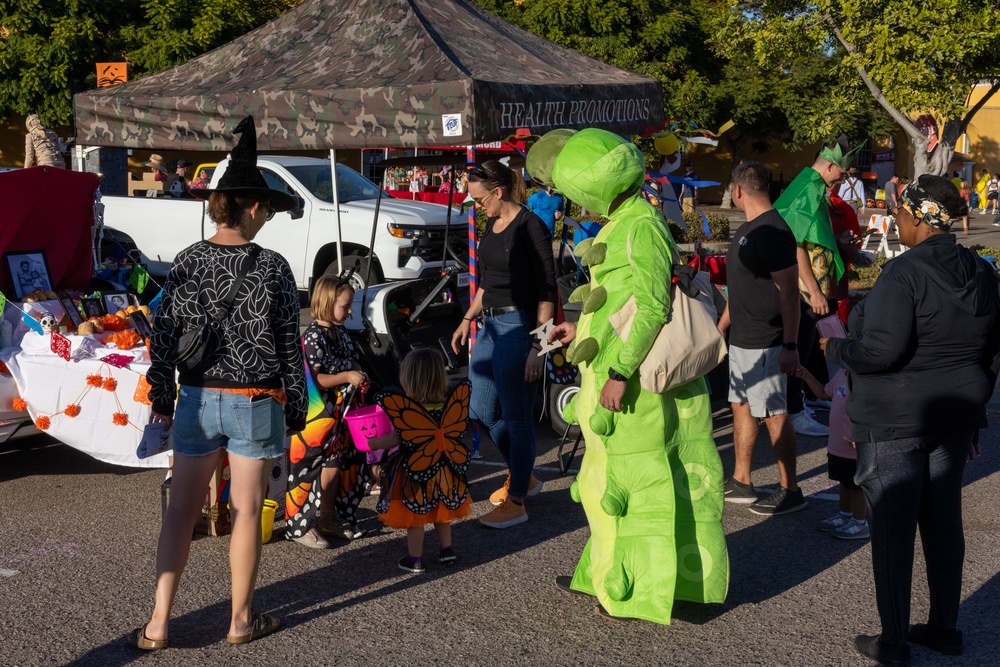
x: 299, y: 209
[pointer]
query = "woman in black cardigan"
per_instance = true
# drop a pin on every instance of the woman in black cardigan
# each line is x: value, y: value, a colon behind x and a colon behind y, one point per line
x: 922, y: 365
x: 517, y: 293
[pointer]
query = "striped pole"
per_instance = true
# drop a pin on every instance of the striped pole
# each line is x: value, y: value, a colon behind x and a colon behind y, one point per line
x: 470, y: 156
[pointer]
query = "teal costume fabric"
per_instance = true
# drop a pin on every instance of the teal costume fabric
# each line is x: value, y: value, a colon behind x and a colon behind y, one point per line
x: 651, y: 479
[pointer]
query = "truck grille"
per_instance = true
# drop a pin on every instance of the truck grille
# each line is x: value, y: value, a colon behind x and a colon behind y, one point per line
x: 432, y: 243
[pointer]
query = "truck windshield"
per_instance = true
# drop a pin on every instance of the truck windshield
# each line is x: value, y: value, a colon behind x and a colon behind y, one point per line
x: 352, y: 186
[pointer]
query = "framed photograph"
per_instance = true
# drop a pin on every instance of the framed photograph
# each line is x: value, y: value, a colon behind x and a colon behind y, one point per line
x: 28, y: 272
x: 141, y: 324
x: 115, y: 301
x: 92, y: 307
x: 71, y: 312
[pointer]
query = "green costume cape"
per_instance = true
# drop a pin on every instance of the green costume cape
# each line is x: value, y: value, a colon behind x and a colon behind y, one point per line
x: 804, y: 208
x: 651, y: 478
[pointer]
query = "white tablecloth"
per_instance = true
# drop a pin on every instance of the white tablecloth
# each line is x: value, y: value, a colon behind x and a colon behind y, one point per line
x: 48, y: 384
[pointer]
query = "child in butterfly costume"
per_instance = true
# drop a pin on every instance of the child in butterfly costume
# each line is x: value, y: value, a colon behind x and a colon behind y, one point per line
x: 425, y: 479
x: 322, y: 452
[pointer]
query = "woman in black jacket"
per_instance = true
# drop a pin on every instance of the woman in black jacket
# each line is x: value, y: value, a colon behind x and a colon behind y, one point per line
x: 922, y: 367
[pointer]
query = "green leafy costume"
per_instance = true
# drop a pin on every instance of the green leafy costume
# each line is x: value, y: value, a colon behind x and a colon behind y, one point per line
x: 804, y: 207
x: 651, y: 479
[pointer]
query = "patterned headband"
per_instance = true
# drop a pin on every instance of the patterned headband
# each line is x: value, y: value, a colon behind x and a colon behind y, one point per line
x: 925, y: 208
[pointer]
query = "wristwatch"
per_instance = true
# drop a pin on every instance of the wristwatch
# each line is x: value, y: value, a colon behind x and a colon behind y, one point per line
x: 791, y: 347
x: 616, y: 376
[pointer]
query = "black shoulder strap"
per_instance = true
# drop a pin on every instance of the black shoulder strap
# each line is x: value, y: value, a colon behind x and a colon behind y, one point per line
x: 227, y: 303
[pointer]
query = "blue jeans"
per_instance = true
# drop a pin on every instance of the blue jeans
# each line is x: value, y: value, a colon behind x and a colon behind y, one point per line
x: 210, y: 419
x: 914, y: 482
x: 502, y: 402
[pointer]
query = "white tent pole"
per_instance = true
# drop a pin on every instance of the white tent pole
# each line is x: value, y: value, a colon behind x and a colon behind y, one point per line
x: 336, y: 207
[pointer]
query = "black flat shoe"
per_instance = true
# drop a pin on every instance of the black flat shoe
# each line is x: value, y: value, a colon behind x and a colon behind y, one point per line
x: 948, y: 642
x: 563, y: 582
x: 604, y: 613
x: 872, y: 647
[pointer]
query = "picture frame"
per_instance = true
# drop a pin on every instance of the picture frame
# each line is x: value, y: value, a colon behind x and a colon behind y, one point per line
x: 92, y: 307
x: 28, y: 271
x: 115, y: 301
x: 71, y: 312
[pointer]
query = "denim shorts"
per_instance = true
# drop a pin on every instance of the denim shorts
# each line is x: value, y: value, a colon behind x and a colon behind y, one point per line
x: 207, y: 420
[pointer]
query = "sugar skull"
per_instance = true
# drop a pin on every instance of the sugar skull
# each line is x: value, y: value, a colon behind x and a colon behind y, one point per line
x: 48, y: 321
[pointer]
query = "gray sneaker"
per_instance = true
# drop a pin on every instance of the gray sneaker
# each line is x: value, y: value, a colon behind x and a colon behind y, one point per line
x: 313, y: 540
x: 852, y: 530
x: 834, y: 522
x: 738, y: 492
x: 781, y: 501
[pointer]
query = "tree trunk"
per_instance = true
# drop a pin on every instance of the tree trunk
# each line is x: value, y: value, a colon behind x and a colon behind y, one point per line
x: 737, y: 146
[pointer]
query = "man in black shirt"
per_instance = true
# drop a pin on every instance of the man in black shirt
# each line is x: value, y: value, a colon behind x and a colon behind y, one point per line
x: 763, y: 311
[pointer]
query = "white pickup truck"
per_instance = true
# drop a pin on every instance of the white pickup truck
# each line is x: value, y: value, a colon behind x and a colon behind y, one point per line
x: 409, y: 235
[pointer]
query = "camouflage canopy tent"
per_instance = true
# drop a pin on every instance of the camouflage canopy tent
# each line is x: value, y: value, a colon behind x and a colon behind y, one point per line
x: 392, y: 73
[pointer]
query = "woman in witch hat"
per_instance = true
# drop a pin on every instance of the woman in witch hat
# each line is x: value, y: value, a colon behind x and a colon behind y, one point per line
x: 249, y: 386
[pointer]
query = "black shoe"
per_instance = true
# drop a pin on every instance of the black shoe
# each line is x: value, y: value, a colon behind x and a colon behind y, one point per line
x: 738, y: 492
x: 563, y: 582
x: 948, y: 642
x: 872, y: 647
x: 407, y: 564
x: 447, y: 557
x: 781, y: 501
x: 603, y: 613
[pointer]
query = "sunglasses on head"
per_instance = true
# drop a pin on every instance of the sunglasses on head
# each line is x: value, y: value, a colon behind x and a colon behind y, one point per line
x: 479, y: 171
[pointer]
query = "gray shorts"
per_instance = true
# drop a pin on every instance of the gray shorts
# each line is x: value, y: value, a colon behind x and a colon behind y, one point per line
x: 755, y: 378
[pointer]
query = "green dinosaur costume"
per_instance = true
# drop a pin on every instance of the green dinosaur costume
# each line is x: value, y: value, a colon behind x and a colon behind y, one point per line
x: 651, y: 479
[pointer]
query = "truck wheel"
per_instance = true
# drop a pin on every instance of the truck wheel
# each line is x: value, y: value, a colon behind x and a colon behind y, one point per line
x: 559, y: 396
x: 358, y: 279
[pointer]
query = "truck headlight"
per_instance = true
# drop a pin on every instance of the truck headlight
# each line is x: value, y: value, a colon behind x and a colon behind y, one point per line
x: 405, y: 232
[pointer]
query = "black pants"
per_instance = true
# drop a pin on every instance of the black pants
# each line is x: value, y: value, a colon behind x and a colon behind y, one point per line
x: 806, y: 341
x: 908, y: 483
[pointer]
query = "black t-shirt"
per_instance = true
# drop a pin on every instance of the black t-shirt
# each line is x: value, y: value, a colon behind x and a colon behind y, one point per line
x: 761, y: 247
x: 517, y: 265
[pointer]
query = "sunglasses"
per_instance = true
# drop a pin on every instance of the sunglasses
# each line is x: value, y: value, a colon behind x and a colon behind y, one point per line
x: 481, y: 200
x: 478, y: 171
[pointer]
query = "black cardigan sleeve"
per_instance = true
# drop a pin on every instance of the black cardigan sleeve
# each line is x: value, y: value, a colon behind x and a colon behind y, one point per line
x: 543, y: 267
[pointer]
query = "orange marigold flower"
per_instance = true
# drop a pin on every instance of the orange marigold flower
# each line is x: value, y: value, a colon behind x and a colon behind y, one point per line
x: 95, y: 380
x: 121, y: 419
x: 19, y: 404
x: 72, y: 410
x: 42, y: 422
x: 110, y: 384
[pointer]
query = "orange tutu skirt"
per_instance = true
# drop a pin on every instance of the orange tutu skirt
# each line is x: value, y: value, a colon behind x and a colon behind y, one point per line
x: 399, y: 516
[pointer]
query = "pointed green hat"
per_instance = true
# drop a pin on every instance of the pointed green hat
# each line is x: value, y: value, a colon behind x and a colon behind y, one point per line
x: 837, y: 156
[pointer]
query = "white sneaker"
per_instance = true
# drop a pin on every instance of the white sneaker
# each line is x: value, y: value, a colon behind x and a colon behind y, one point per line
x: 817, y: 404
x: 803, y: 424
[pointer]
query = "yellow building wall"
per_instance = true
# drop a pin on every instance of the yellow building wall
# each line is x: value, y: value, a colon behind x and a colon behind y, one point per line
x: 983, y: 134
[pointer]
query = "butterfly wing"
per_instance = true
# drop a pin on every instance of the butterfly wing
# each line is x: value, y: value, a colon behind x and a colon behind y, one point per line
x: 558, y: 368
x: 418, y: 432
x: 452, y: 487
x: 454, y: 423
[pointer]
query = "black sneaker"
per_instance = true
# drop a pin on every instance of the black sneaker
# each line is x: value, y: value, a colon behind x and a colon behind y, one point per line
x: 872, y: 647
x: 781, y: 501
x: 447, y: 556
x: 738, y: 492
x: 948, y: 642
x: 407, y: 564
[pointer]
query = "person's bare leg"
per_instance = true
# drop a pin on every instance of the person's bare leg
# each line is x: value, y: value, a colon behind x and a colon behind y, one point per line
x: 745, y: 429
x: 329, y: 483
x: 246, y: 500
x: 859, y: 507
x: 188, y: 488
x: 415, y: 541
x: 444, y: 534
x: 783, y: 442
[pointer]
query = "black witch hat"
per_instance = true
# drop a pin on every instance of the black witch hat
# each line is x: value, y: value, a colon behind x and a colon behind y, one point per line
x: 242, y: 176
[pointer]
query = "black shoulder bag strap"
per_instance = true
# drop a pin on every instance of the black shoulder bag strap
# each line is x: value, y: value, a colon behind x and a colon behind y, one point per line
x: 227, y: 303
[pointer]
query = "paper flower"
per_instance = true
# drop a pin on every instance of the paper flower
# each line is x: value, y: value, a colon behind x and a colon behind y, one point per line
x: 95, y: 380
x: 110, y: 384
x: 19, y: 404
x: 72, y: 410
x: 121, y: 419
x: 42, y: 422
x: 123, y: 340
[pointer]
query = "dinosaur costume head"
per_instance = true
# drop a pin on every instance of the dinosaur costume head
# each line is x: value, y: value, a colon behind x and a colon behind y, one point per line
x: 542, y: 155
x: 595, y: 166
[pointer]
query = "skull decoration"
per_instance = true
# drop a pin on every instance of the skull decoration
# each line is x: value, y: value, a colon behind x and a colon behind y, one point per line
x: 48, y: 321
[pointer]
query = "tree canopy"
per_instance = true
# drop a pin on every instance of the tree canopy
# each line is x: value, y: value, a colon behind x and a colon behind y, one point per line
x: 49, y: 48
x: 908, y: 56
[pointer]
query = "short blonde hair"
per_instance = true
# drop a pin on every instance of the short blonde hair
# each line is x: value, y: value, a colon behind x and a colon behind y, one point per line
x: 324, y: 297
x: 423, y: 377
